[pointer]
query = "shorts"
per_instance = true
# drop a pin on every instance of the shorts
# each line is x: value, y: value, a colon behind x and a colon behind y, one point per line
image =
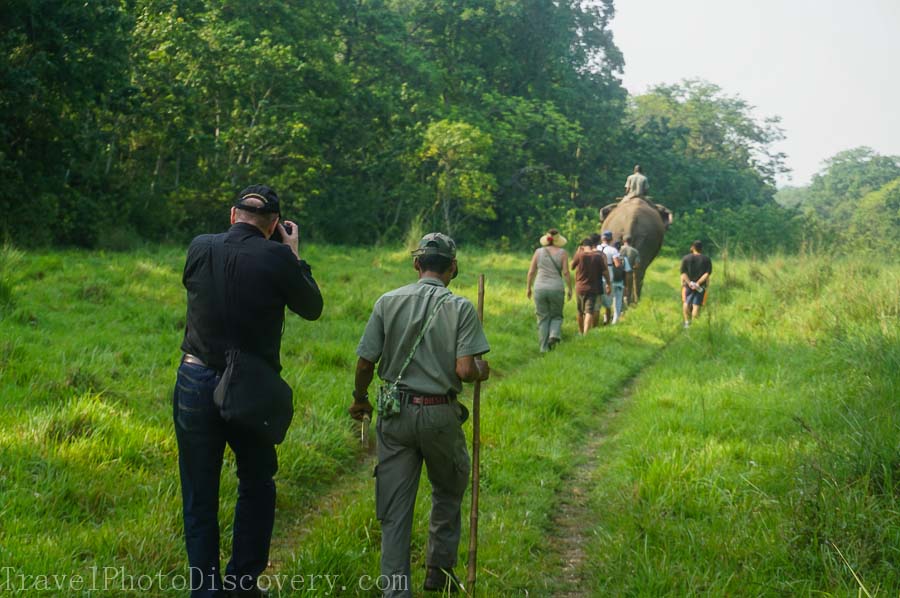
x: 587, y: 303
x: 694, y: 297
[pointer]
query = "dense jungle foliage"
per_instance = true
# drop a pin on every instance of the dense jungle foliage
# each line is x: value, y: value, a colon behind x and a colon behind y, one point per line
x: 489, y: 119
x: 855, y: 199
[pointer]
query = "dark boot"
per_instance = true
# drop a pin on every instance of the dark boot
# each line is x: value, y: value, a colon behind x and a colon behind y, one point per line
x: 442, y: 580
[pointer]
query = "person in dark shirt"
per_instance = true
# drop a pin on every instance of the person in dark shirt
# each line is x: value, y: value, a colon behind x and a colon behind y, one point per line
x: 591, y: 279
x: 262, y: 277
x: 695, y: 271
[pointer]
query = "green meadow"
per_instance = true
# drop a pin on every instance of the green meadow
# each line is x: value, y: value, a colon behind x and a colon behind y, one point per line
x: 756, y: 453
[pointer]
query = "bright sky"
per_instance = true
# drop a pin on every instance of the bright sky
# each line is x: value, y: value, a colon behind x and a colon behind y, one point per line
x: 830, y: 69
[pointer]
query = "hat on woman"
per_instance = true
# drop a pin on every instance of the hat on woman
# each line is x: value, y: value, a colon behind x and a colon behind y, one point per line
x: 553, y: 237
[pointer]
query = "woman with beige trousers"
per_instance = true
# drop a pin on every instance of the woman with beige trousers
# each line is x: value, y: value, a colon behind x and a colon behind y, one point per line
x: 550, y: 284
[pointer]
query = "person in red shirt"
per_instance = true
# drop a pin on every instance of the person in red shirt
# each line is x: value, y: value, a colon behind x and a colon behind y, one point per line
x: 591, y: 277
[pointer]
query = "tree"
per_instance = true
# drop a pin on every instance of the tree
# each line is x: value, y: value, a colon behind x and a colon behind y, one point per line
x: 710, y: 160
x: 229, y: 94
x: 535, y: 159
x: 846, y: 177
x: 456, y: 154
x: 63, y: 71
x: 704, y: 148
x: 875, y: 223
x: 791, y: 197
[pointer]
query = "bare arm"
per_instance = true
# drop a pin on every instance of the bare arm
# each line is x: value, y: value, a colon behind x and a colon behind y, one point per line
x: 566, y: 274
x: 365, y: 371
x: 529, y: 280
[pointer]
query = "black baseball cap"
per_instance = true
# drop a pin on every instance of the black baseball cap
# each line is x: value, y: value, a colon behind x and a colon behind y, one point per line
x: 263, y: 193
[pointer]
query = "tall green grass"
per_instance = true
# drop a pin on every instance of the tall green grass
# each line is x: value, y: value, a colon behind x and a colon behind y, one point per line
x: 88, y: 472
x: 760, y: 455
x: 757, y: 455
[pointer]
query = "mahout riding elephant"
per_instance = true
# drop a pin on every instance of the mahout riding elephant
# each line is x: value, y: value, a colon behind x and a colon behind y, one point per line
x: 645, y: 221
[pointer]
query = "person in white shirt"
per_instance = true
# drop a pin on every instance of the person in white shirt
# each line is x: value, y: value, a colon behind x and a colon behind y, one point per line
x: 621, y: 268
x: 610, y: 252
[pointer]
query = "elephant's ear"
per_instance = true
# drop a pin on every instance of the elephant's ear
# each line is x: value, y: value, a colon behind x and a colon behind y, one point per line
x: 667, y: 216
x: 605, y: 210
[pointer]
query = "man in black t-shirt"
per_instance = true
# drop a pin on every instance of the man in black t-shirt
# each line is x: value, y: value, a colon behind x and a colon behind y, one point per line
x: 695, y: 271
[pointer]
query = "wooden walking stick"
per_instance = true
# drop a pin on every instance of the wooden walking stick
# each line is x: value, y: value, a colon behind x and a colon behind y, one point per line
x: 476, y: 461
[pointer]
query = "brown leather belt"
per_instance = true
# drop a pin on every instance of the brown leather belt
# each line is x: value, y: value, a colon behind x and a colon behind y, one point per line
x: 428, y: 400
x: 188, y: 358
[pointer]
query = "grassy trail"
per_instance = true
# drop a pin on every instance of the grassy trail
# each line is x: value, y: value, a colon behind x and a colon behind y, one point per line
x: 759, y: 455
x: 575, y: 520
x: 776, y: 472
x: 294, y: 527
x: 539, y: 412
x: 88, y: 474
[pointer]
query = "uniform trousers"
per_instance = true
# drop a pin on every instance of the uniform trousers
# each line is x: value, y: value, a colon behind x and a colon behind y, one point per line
x: 419, y: 433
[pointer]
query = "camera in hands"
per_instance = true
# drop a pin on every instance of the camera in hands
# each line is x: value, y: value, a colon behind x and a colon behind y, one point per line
x: 276, y: 235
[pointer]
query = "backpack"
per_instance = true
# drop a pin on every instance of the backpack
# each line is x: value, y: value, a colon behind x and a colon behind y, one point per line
x: 618, y: 272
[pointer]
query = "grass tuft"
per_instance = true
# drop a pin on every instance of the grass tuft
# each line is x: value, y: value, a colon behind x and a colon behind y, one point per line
x: 10, y: 262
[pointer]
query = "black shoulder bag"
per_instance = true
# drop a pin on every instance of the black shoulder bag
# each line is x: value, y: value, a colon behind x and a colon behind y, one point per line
x: 251, y: 393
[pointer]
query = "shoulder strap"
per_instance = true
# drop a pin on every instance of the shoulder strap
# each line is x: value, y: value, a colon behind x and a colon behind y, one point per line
x: 217, y: 267
x: 419, y: 338
x: 555, y: 265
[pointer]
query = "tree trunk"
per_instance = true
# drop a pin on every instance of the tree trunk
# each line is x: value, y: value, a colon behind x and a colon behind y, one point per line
x: 445, y: 204
x: 216, y: 136
x: 156, y: 171
x: 109, y: 154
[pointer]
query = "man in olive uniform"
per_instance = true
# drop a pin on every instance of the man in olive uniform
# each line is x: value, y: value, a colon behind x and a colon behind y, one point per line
x: 636, y: 185
x: 429, y: 423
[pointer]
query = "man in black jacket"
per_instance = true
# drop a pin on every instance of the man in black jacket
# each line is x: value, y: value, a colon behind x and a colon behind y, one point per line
x: 262, y: 277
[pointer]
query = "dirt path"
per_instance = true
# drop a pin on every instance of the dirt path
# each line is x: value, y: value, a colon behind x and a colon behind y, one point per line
x: 353, y: 484
x: 574, y: 520
x: 573, y: 525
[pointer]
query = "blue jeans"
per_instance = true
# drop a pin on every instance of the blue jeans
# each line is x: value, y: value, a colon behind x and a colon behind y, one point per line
x: 202, y: 434
x: 618, y: 289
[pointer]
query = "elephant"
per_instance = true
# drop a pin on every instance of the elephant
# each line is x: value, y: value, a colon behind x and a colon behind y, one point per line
x: 645, y: 221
